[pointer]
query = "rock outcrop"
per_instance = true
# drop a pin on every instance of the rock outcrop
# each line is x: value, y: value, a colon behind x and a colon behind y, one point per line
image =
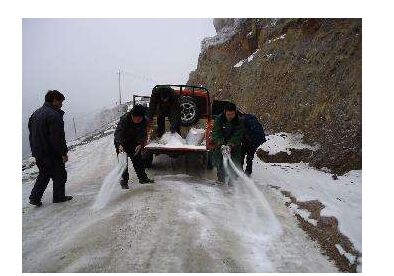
x: 296, y: 75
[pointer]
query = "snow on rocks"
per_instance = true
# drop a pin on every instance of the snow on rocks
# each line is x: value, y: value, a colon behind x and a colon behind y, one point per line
x: 331, y: 208
x: 223, y: 35
x: 348, y: 256
x: 248, y: 59
x: 277, y: 38
x: 269, y: 56
x: 239, y: 64
x: 341, y: 197
x: 285, y: 142
x: 305, y: 214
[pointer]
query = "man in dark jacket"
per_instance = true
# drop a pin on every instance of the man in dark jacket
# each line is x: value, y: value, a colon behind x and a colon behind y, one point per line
x: 130, y: 137
x: 164, y: 102
x: 227, y: 131
x: 49, y: 148
x: 254, y: 136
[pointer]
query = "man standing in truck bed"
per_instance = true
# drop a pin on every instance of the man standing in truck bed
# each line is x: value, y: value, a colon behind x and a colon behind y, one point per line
x: 164, y: 102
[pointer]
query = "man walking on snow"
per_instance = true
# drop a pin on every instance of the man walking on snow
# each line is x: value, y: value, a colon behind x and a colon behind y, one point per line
x: 49, y: 148
x: 227, y: 130
x: 130, y: 137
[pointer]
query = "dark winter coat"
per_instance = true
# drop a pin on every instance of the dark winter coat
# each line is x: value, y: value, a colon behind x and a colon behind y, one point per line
x: 227, y: 133
x: 129, y: 134
x: 170, y: 108
x: 254, y: 132
x: 46, y: 133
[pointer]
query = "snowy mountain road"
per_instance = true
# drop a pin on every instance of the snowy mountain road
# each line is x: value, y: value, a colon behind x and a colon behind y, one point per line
x: 181, y: 223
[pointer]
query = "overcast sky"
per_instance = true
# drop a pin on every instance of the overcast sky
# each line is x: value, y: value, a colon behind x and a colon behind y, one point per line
x: 81, y: 57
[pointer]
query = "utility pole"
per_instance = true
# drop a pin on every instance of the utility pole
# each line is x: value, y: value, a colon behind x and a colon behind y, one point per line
x: 75, y: 129
x: 120, y: 92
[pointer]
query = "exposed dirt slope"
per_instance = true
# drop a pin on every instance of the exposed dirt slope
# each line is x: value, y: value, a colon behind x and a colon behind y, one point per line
x: 304, y: 76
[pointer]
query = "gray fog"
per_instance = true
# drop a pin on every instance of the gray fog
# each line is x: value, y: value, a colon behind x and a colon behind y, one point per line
x: 81, y: 58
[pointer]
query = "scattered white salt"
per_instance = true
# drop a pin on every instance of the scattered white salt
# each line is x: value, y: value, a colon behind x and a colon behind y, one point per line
x: 110, y: 183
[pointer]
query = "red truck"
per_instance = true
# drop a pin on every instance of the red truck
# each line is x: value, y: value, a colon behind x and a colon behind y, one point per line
x: 196, y: 111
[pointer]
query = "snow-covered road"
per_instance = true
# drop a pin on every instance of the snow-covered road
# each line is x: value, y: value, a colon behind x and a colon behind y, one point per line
x: 181, y: 223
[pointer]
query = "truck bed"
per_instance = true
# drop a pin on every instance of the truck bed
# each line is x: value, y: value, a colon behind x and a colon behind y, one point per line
x: 156, y: 147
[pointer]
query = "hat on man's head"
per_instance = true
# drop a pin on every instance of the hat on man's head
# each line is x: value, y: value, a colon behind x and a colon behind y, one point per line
x: 230, y: 107
x: 165, y: 92
x: 138, y: 110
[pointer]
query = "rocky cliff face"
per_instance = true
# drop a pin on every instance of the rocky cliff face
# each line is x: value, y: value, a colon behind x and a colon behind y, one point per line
x: 296, y: 75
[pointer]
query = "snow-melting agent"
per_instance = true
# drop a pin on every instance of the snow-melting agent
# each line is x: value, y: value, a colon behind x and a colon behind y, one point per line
x: 237, y: 224
x: 248, y: 188
x: 256, y: 202
x: 110, y: 183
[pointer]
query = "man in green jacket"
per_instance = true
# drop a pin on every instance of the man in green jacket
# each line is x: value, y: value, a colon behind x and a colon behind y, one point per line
x: 227, y: 130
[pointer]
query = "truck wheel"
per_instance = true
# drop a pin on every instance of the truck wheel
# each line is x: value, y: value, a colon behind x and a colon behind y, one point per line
x: 189, y: 111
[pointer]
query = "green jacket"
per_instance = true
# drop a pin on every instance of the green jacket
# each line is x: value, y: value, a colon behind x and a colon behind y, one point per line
x: 227, y: 133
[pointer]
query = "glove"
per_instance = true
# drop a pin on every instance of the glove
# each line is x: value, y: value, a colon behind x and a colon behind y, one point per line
x: 120, y: 149
x: 226, y: 150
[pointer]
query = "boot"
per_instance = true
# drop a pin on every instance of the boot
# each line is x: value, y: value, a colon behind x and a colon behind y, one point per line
x: 124, y: 183
x: 219, y: 182
x: 221, y: 179
x: 221, y: 176
x: 36, y: 203
x: 64, y: 199
x: 146, y: 180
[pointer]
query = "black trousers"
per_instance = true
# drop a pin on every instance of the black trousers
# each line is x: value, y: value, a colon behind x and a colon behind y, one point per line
x: 49, y: 169
x: 138, y: 165
x: 161, y: 125
x: 248, y: 151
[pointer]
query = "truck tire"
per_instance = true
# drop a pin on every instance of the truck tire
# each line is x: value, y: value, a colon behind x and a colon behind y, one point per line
x: 189, y: 111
